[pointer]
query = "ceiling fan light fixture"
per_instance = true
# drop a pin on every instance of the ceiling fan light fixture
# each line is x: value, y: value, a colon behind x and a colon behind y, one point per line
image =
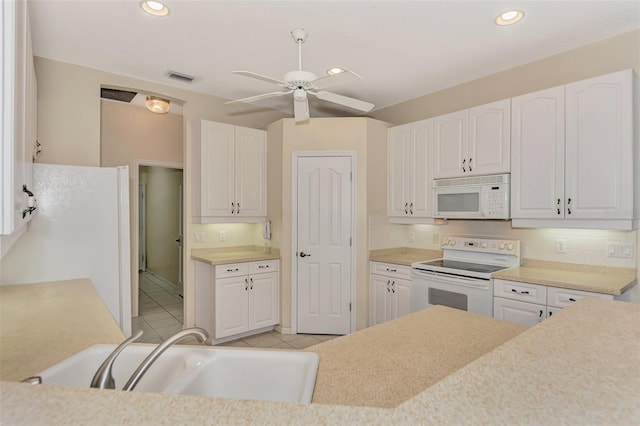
x: 509, y: 17
x: 300, y: 95
x: 158, y: 105
x: 335, y: 70
x: 155, y: 8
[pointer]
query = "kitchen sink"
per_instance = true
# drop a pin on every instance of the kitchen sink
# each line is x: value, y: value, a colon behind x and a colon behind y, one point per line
x: 270, y: 375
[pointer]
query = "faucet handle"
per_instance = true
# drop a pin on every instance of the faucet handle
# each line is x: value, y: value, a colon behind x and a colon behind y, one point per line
x: 103, y: 379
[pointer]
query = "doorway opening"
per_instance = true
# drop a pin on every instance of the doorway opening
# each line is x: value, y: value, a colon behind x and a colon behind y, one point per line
x: 160, y: 252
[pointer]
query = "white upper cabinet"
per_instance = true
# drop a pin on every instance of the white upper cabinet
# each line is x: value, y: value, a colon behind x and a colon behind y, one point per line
x: 18, y: 119
x: 573, y: 155
x: 473, y: 142
x: 230, y: 173
x: 409, y: 178
x: 537, y: 154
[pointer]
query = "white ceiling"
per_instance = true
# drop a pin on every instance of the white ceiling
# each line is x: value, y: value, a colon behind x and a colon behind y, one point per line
x: 402, y: 49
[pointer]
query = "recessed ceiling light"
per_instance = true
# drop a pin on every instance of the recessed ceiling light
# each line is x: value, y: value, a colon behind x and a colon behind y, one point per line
x: 158, y: 105
x: 509, y: 17
x: 154, y: 8
x: 335, y: 70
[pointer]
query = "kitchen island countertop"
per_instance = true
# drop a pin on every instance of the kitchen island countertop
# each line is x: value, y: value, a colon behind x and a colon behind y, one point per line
x: 580, y: 366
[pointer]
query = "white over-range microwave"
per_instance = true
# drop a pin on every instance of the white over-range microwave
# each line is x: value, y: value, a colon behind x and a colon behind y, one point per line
x: 478, y: 197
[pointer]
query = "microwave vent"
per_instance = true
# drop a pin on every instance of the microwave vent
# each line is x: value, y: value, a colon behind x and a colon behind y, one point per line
x: 476, y: 180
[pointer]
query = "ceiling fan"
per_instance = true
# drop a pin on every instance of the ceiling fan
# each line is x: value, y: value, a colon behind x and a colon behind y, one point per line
x: 304, y: 83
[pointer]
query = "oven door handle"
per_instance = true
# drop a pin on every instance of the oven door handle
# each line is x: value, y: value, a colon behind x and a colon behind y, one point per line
x: 460, y: 280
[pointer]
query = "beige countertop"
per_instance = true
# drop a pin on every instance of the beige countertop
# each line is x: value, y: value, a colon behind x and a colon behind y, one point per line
x: 598, y: 279
x: 387, y: 364
x: 238, y: 254
x: 403, y: 255
x: 582, y: 366
x: 43, y: 324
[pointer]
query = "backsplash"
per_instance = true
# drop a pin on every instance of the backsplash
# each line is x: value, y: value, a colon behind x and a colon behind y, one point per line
x: 226, y: 235
x: 581, y: 245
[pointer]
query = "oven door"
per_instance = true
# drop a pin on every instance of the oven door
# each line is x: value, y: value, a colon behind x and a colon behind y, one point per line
x: 465, y: 293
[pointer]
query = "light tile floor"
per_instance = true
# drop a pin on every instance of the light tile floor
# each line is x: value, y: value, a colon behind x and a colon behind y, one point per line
x: 161, y: 315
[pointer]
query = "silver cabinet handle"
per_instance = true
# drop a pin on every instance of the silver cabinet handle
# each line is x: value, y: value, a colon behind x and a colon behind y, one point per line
x: 569, y: 206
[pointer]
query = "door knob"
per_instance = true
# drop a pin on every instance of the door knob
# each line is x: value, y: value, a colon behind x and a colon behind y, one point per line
x: 303, y: 254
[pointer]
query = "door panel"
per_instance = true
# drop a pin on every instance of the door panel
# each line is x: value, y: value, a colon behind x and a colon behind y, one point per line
x: 324, y: 233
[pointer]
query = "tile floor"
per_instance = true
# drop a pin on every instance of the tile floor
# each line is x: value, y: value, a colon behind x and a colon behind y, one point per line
x: 161, y: 315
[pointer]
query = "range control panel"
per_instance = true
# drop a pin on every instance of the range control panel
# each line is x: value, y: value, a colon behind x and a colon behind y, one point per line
x: 481, y: 245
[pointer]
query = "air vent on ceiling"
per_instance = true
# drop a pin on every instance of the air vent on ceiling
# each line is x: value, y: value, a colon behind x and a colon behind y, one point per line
x: 117, y: 95
x: 180, y: 77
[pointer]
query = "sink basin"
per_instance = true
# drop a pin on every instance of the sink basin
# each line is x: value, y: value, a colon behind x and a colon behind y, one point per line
x: 269, y: 375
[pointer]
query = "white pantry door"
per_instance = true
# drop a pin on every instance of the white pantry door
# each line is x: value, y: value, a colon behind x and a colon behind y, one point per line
x: 324, y: 244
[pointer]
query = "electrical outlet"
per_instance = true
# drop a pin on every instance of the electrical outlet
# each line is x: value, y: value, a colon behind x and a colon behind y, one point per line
x: 435, y: 238
x: 223, y: 235
x: 412, y: 236
x: 199, y: 237
x: 619, y: 249
x: 561, y: 246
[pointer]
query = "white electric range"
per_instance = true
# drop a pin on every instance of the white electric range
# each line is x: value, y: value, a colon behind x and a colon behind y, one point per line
x: 461, y: 279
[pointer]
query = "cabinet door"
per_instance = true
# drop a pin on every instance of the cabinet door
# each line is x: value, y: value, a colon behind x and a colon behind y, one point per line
x: 450, y: 141
x: 537, y: 155
x: 232, y: 306
x: 489, y: 147
x: 519, y: 312
x: 381, y: 299
x: 263, y: 300
x: 251, y: 172
x: 218, y: 169
x: 398, y: 141
x: 599, y: 151
x: 420, y: 169
x: 402, y: 297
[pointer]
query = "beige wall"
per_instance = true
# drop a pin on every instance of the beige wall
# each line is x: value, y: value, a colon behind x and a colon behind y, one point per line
x: 613, y: 54
x: 162, y: 188
x: 325, y: 134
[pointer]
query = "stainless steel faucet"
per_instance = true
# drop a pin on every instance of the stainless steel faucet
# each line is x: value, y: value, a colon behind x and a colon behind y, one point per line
x: 199, y: 333
x: 103, y: 379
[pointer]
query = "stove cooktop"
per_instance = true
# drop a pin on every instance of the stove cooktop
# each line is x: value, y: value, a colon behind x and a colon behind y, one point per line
x: 461, y: 266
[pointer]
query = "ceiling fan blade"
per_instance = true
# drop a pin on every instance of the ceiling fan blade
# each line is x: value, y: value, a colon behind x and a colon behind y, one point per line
x: 259, y: 97
x: 257, y: 76
x: 344, y: 77
x: 344, y: 100
x: 301, y: 110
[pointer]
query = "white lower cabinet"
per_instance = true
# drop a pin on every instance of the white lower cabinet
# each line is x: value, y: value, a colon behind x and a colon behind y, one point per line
x: 237, y: 299
x: 390, y: 291
x: 528, y: 304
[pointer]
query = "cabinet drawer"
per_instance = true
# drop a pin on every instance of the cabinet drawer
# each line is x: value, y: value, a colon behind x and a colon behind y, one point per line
x: 391, y: 270
x: 232, y: 270
x: 263, y: 266
x: 526, y: 292
x: 562, y: 297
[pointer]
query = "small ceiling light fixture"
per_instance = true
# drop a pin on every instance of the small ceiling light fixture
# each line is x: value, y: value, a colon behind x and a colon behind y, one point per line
x: 335, y: 70
x: 154, y: 8
x: 509, y: 17
x: 158, y: 105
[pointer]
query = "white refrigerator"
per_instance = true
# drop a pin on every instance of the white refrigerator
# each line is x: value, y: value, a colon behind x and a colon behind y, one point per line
x: 80, y: 230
